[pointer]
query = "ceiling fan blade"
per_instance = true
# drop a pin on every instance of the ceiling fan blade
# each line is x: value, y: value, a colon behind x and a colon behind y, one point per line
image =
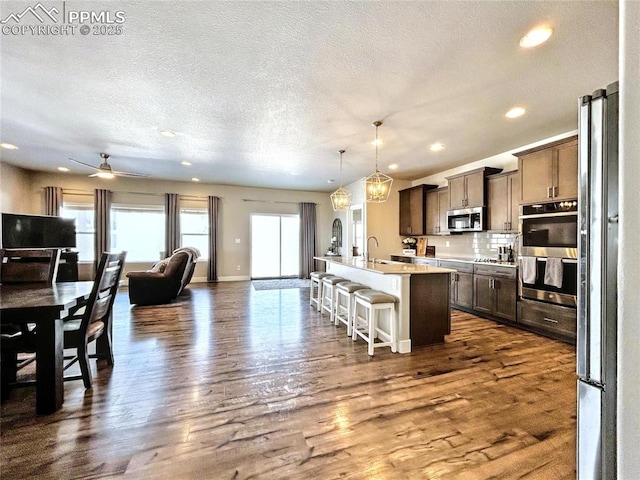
x: 85, y: 164
x: 129, y: 174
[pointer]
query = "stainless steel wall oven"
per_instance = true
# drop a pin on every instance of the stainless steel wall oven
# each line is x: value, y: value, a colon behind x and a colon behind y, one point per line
x: 548, y: 252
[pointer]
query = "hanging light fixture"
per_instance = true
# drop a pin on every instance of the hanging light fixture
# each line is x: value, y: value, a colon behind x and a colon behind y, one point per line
x: 377, y: 186
x: 341, y: 198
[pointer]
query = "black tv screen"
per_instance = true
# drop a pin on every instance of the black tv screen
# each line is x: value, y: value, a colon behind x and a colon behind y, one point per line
x: 37, y: 231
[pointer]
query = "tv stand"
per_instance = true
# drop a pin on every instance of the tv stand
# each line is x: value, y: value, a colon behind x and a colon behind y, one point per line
x: 68, y: 267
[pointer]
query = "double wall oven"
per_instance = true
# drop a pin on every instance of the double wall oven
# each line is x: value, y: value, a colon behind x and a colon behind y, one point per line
x: 549, y: 231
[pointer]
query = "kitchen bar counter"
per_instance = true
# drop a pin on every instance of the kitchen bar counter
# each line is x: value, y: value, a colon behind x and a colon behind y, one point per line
x: 385, y: 267
x: 457, y: 259
x: 423, y: 293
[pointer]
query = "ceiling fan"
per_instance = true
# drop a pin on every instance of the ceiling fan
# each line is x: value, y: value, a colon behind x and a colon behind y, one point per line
x: 105, y: 170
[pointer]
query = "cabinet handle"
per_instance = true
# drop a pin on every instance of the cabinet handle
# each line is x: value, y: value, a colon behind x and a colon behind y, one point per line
x: 554, y: 191
x: 548, y: 192
x: 550, y: 320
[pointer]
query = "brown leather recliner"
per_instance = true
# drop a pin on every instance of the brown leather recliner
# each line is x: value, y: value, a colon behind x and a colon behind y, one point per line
x: 162, y: 283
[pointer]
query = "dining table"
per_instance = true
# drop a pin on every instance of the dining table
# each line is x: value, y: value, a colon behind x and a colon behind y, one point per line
x: 46, y: 306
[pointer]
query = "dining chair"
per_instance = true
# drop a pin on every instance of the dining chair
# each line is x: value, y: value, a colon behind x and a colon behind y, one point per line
x: 33, y: 265
x: 93, y: 321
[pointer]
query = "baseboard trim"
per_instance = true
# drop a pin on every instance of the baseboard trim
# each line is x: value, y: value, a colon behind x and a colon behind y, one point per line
x: 237, y: 278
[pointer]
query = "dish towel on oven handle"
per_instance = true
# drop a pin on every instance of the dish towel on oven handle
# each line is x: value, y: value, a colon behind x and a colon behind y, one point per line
x: 553, y: 272
x: 529, y: 266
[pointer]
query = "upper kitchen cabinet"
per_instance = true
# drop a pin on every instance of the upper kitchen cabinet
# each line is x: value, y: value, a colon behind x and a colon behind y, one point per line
x: 437, y: 206
x: 468, y: 189
x: 503, y: 195
x: 413, y: 210
x: 551, y: 171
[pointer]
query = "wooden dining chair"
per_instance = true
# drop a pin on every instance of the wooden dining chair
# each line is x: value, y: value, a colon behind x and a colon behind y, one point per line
x: 94, y: 319
x: 33, y: 265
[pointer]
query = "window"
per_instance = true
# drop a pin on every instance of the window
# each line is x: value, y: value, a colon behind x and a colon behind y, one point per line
x: 85, y: 228
x: 139, y: 230
x: 194, y: 230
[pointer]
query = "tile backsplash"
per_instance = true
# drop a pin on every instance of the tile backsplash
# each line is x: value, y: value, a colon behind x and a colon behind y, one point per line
x: 473, y: 245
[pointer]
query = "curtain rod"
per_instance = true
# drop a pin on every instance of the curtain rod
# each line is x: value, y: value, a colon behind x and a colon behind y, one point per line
x: 269, y: 201
x: 90, y: 192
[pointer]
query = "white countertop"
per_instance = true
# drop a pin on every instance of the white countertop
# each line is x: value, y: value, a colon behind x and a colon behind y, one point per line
x: 385, y: 267
x: 459, y: 259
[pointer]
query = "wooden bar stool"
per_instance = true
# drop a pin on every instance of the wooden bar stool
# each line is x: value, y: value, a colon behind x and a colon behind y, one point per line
x: 328, y: 294
x: 316, y: 286
x: 344, y: 312
x: 367, y: 326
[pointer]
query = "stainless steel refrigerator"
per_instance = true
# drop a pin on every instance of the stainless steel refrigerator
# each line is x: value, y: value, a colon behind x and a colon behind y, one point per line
x: 598, y: 286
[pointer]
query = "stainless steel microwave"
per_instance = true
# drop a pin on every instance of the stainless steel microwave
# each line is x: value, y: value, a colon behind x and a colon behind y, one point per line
x: 466, y: 220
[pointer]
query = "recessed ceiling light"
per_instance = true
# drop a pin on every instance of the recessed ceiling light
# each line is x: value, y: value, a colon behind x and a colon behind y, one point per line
x: 194, y: 179
x: 536, y: 37
x: 168, y: 133
x: 185, y: 163
x: 436, y: 147
x: 377, y: 142
x: 63, y: 169
x: 331, y: 180
x: 393, y: 166
x: 8, y: 146
x: 515, y: 112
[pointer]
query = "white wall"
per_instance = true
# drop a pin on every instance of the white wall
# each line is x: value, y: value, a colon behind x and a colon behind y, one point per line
x: 235, y: 212
x: 629, y: 244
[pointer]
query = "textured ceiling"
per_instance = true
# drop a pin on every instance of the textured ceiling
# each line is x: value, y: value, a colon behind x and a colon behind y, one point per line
x: 266, y: 93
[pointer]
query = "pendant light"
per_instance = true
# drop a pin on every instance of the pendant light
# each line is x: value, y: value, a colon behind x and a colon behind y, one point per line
x: 377, y: 186
x: 341, y: 198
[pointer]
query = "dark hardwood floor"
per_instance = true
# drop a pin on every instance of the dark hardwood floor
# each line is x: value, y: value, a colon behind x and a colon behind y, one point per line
x: 234, y: 383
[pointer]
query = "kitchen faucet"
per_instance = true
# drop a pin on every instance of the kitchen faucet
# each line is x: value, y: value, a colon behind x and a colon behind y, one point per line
x: 366, y: 254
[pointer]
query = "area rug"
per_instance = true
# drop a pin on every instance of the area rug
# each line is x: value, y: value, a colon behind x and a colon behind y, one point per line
x: 280, y: 284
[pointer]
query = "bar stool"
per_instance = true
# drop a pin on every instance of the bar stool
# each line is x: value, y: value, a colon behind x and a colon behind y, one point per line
x: 316, y: 284
x: 344, y: 313
x: 328, y: 294
x: 368, y: 326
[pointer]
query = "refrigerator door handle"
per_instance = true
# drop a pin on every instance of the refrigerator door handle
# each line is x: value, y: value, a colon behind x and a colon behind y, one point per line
x: 584, y: 156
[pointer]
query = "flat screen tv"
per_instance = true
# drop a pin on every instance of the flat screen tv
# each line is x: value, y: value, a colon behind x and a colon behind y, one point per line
x: 37, y: 231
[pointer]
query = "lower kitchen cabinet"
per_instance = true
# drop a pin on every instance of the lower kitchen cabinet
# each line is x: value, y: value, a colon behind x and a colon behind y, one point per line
x: 495, y: 291
x: 461, y: 283
x: 553, y: 320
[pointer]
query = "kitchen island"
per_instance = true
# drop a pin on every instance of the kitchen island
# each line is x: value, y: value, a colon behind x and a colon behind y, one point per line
x: 422, y: 310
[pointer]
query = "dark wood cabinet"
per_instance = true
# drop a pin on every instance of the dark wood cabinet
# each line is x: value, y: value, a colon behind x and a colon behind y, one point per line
x: 468, y: 189
x: 461, y: 283
x: 413, y: 210
x: 552, y: 320
x: 503, y: 195
x: 437, y: 206
x: 495, y: 291
x: 549, y: 172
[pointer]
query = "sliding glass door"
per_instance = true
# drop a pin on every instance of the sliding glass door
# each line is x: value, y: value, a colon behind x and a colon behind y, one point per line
x: 275, y: 245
